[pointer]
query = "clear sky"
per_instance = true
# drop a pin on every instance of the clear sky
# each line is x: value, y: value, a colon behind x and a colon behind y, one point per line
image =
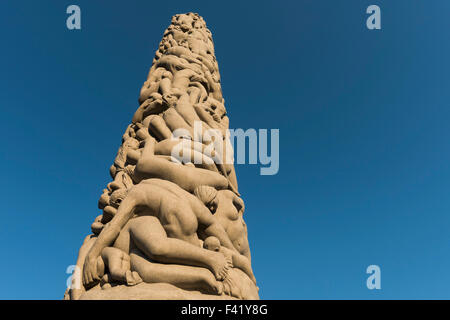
x: 364, y: 136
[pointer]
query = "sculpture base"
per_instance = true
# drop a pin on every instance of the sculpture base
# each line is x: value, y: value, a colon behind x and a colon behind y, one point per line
x: 148, y: 291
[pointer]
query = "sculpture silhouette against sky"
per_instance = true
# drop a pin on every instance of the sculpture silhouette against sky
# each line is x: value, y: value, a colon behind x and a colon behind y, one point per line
x: 172, y: 222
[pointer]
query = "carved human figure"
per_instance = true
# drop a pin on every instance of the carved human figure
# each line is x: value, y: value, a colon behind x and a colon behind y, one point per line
x: 228, y: 208
x: 134, y: 239
x: 127, y: 263
x: 172, y: 235
x: 164, y: 167
x: 148, y: 168
x: 238, y: 260
x: 153, y: 83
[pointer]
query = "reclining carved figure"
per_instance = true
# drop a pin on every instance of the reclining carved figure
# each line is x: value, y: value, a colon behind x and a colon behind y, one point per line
x: 163, y: 167
x: 170, y: 233
x: 164, y: 230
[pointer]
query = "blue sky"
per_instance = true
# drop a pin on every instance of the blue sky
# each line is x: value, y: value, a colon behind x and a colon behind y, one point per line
x: 363, y: 117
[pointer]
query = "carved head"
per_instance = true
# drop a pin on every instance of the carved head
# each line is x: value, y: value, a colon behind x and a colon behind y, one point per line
x: 208, y: 196
x: 212, y: 244
x: 184, y: 21
x: 117, y: 197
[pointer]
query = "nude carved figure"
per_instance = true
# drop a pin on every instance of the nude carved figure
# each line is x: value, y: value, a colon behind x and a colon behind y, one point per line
x: 179, y: 213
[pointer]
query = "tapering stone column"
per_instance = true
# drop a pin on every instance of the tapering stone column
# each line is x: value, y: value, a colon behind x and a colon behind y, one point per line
x: 172, y: 223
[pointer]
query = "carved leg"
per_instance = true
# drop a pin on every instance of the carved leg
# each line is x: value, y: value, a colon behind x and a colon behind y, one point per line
x: 175, y: 122
x: 185, y: 277
x: 119, y: 267
x: 150, y: 237
x: 77, y: 286
x: 158, y: 127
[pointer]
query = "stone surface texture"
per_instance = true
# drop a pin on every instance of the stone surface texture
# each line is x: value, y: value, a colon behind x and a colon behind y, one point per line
x: 171, y: 223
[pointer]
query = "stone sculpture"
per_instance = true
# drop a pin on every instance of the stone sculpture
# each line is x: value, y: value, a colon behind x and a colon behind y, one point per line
x: 172, y: 223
